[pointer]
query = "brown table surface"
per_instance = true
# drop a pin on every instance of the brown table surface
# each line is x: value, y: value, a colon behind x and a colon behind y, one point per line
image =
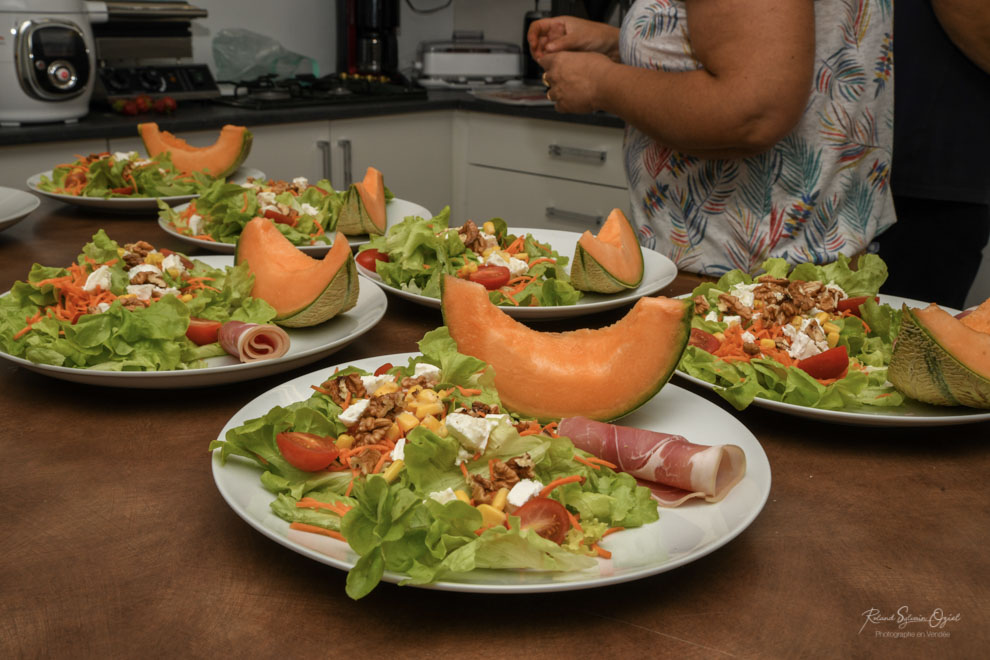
x: 116, y: 542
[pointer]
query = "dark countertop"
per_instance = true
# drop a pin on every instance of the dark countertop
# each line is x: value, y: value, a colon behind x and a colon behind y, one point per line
x: 194, y: 116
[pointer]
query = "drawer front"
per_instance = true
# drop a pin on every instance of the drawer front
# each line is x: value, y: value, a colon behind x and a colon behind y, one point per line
x: 567, y: 151
x: 526, y: 200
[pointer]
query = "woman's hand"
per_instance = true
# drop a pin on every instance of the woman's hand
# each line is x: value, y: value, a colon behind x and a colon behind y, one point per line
x: 572, y: 78
x: 567, y: 33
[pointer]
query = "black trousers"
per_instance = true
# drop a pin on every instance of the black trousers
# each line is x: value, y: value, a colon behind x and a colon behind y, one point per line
x: 934, y: 250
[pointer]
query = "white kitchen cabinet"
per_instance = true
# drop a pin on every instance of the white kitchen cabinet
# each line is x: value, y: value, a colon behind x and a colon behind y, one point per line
x: 412, y: 150
x: 18, y: 162
x: 537, y: 173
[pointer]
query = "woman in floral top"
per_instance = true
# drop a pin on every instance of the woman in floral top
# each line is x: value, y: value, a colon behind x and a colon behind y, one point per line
x: 754, y: 129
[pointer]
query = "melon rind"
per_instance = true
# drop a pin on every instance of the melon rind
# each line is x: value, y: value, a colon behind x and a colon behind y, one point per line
x: 589, y: 275
x: 548, y: 376
x: 923, y: 370
x: 339, y: 296
x: 353, y: 219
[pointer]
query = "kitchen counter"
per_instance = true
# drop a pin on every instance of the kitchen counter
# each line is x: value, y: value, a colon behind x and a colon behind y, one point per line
x: 193, y: 116
x: 117, y: 543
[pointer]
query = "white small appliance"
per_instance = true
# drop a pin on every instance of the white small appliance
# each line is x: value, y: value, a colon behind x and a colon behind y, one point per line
x: 47, y: 60
x: 467, y: 62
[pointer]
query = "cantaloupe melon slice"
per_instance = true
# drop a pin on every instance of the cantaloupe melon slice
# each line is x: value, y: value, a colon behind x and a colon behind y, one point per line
x: 610, y: 262
x: 363, y: 210
x: 602, y: 374
x: 304, y: 291
x: 979, y: 318
x: 940, y: 360
x: 220, y: 159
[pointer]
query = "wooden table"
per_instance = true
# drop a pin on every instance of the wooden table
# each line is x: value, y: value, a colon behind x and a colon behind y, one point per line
x: 116, y: 543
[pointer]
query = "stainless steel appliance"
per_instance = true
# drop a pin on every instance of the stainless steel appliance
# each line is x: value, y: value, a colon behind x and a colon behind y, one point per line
x: 47, y: 61
x: 366, y: 37
x: 142, y: 48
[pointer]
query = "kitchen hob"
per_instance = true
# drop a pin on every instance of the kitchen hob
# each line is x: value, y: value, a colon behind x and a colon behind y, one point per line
x: 269, y: 92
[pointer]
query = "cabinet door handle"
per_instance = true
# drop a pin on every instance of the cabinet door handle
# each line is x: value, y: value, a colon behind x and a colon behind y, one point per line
x: 345, y: 146
x: 584, y: 219
x: 577, y: 153
x: 324, y: 147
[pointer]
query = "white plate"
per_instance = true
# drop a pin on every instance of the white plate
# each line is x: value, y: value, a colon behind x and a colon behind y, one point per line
x: 307, y: 345
x: 128, y: 204
x: 395, y: 212
x: 15, y: 205
x: 658, y: 272
x: 912, y: 413
x: 680, y: 535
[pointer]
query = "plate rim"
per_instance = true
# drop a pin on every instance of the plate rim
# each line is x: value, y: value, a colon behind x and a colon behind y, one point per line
x: 15, y: 217
x: 212, y: 375
x: 754, y: 459
x: 854, y: 418
x: 618, y: 299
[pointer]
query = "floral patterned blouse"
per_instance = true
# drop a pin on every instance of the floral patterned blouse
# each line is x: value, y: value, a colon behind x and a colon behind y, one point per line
x: 822, y: 190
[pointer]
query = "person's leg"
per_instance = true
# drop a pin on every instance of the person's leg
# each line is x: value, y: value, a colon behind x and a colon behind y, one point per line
x: 934, y: 250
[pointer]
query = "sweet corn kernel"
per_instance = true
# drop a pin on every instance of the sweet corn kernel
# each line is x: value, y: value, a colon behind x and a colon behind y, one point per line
x: 767, y: 343
x: 505, y: 255
x: 391, y: 473
x: 487, y: 252
x: 432, y: 423
x: 522, y: 256
x: 406, y: 421
x: 830, y: 327
x: 501, y: 497
x: 796, y: 321
x: 121, y: 252
x: 155, y: 258
x: 127, y: 295
x: 462, y: 496
x: 821, y: 317
x: 186, y: 297
x: 344, y: 441
x: 490, y: 516
x: 832, y: 339
x: 488, y: 227
x: 387, y: 388
x: 393, y: 433
x: 174, y: 273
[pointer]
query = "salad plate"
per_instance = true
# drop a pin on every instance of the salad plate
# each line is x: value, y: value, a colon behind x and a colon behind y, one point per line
x: 395, y: 211
x: 307, y: 345
x: 658, y: 272
x: 15, y: 205
x: 129, y: 204
x: 680, y: 536
x: 911, y: 413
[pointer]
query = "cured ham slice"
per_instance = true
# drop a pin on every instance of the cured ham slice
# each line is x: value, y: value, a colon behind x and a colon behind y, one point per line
x: 250, y: 342
x: 675, y: 469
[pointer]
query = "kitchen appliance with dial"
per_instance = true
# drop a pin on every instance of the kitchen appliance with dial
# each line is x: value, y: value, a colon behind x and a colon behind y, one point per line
x: 47, y: 63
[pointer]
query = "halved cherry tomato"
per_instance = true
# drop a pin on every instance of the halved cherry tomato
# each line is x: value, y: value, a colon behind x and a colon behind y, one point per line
x: 546, y: 517
x: 282, y: 218
x: 125, y: 190
x: 706, y: 341
x: 306, y: 451
x: 383, y: 369
x: 491, y: 277
x: 828, y: 364
x: 852, y: 304
x: 367, y: 258
x: 202, y: 331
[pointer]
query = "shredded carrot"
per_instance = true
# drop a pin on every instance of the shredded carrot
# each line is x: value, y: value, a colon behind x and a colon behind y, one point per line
x: 244, y: 208
x: 381, y: 463
x: 585, y: 461
x: 306, y: 527
x: 560, y: 482
x: 347, y: 400
x: 541, y: 259
x: 612, y: 530
x: 602, y: 461
x: 467, y: 392
x: 491, y: 469
x: 602, y: 552
x: 515, y: 245
x: 347, y: 493
x: 464, y: 471
x: 310, y: 503
x: 574, y: 522
x: 205, y: 237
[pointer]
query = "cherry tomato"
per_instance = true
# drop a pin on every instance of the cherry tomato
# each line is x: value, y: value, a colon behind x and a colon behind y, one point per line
x: 306, y: 451
x: 201, y: 331
x: 706, y: 341
x: 491, y: 277
x: 383, y: 369
x: 282, y: 218
x: 828, y: 364
x: 125, y: 190
x: 367, y: 258
x: 852, y: 304
x: 546, y: 517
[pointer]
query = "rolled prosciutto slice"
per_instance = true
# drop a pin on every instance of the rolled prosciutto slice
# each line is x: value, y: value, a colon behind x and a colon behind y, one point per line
x: 673, y: 468
x: 250, y: 342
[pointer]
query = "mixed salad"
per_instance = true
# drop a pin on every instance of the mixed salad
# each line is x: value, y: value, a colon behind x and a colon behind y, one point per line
x: 517, y: 270
x: 417, y: 468
x: 128, y: 307
x: 304, y: 213
x: 810, y: 336
x: 122, y: 174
